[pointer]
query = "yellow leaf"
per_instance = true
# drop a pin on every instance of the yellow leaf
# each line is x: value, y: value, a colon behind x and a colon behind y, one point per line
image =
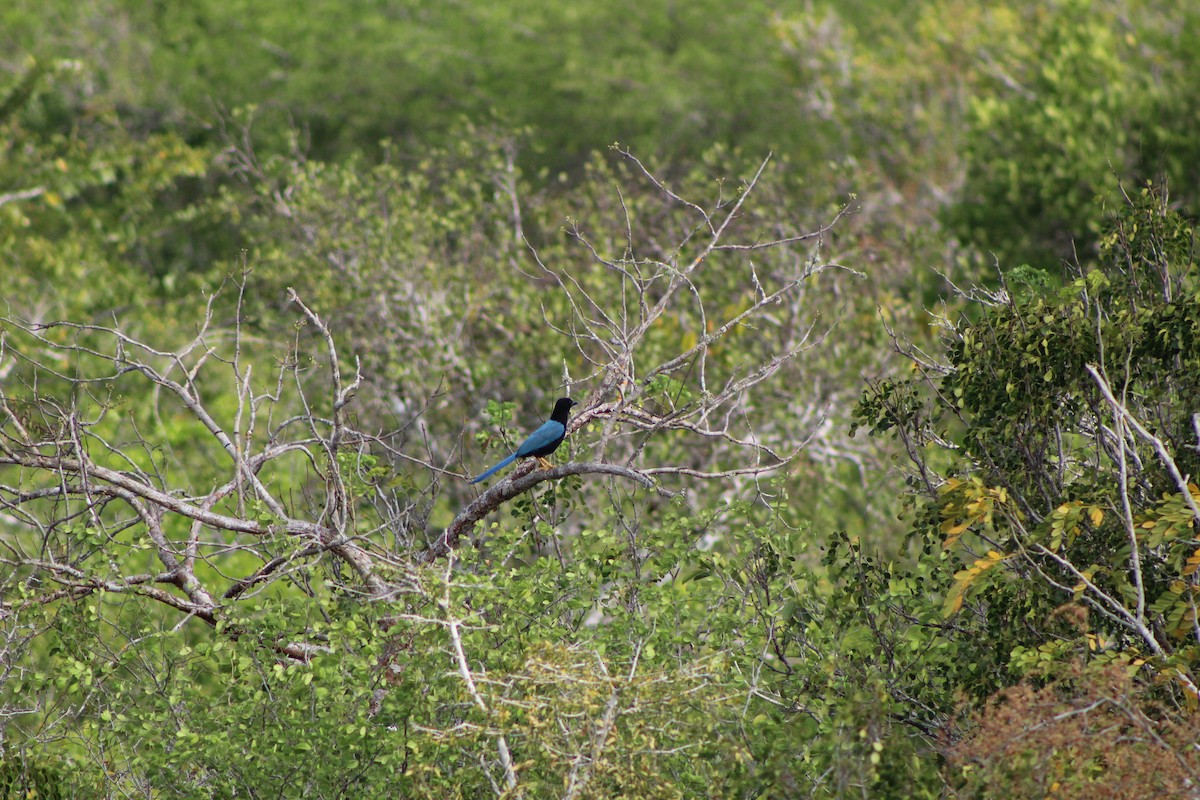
x: 1193, y: 563
x: 1096, y: 516
x: 964, y: 577
x: 953, y: 533
x: 953, y: 603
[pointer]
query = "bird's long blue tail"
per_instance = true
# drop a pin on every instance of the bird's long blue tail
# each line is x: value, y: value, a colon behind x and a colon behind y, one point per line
x: 494, y: 469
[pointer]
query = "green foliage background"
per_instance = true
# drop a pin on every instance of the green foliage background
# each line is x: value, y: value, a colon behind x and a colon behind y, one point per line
x: 396, y: 162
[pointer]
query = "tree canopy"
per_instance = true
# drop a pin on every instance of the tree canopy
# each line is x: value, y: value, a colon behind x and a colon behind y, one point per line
x: 884, y: 323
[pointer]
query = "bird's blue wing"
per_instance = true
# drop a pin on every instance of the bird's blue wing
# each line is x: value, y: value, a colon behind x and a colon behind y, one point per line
x: 494, y: 469
x: 547, y: 434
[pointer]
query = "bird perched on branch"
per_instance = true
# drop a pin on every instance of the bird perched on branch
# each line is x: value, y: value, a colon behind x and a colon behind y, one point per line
x: 542, y: 442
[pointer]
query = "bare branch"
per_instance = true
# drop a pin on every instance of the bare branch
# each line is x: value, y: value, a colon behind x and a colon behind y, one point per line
x: 522, y: 479
x: 1164, y: 455
x: 464, y: 670
x: 24, y: 194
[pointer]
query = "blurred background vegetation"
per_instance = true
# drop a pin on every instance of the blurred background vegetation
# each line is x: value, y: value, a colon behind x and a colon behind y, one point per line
x: 395, y: 161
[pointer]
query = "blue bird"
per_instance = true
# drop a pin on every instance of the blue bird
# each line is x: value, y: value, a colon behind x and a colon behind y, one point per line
x: 542, y: 442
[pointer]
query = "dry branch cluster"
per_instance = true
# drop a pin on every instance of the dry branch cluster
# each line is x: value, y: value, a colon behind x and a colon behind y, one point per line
x: 95, y: 499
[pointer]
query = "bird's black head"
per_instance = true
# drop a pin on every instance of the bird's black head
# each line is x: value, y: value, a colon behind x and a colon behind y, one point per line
x: 562, y: 409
